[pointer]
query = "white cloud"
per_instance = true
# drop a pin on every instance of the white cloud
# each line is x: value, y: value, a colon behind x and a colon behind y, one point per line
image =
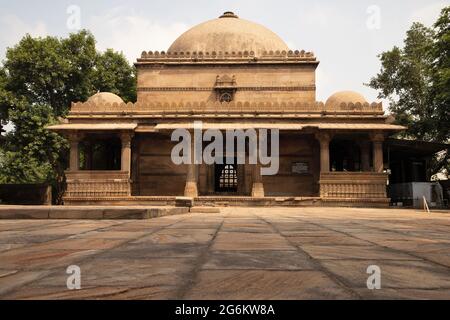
x: 15, y: 28
x: 318, y: 15
x: 123, y: 29
x: 428, y: 14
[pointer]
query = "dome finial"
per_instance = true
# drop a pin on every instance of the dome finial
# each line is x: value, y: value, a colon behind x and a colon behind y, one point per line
x: 229, y: 14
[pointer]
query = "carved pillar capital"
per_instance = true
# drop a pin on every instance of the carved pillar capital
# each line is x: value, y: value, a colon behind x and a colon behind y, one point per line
x: 377, y: 136
x: 126, y: 137
x: 75, y: 136
x: 324, y: 136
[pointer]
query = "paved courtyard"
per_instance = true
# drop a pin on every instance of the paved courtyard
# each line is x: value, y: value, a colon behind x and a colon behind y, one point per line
x: 240, y: 253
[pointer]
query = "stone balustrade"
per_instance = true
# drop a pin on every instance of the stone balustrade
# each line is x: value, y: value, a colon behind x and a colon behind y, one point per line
x: 167, y: 108
x: 195, y: 57
x: 97, y: 184
x: 353, y: 185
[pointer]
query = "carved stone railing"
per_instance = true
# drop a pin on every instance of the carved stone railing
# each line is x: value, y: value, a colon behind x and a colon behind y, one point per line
x: 351, y: 185
x: 198, y: 57
x: 97, y: 184
x: 150, y: 107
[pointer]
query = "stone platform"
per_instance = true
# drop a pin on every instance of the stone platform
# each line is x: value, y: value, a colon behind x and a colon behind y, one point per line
x: 88, y: 212
x: 237, y: 253
x: 225, y: 201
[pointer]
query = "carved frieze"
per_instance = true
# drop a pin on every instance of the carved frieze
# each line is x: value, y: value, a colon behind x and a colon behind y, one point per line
x: 240, y: 88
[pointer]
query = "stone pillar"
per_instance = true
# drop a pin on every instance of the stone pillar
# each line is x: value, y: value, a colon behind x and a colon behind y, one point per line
x: 257, y: 185
x: 377, y: 141
x: 257, y: 181
x: 125, y: 138
x: 74, y: 160
x: 190, y: 189
x: 324, y: 140
x: 365, y: 155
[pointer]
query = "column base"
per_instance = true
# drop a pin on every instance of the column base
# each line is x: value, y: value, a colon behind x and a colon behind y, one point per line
x: 190, y: 190
x: 258, y: 190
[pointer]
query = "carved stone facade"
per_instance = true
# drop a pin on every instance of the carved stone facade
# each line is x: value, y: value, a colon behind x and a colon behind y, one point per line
x: 228, y: 77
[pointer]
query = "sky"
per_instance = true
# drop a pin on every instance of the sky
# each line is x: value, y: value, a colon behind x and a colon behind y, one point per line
x: 346, y: 36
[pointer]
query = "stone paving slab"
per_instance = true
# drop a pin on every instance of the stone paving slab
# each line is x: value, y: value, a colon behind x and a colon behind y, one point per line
x: 258, y: 259
x: 250, y: 241
x: 396, y: 273
x: 178, y: 235
x: 264, y: 284
x: 237, y: 253
x: 340, y: 252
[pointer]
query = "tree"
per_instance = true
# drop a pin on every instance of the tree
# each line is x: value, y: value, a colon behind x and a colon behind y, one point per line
x: 51, y: 71
x: 112, y: 73
x: 415, y: 81
x: 441, y: 73
x: 39, y: 79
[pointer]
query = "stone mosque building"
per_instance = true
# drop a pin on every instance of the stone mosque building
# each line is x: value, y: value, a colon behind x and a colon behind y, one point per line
x: 228, y: 73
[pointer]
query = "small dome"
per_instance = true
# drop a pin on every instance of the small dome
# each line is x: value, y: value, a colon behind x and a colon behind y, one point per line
x: 105, y: 97
x: 344, y: 97
x: 228, y: 34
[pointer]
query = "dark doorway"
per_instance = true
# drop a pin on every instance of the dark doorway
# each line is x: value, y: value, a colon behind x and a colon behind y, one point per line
x: 100, y: 153
x: 226, y: 178
x: 345, y: 156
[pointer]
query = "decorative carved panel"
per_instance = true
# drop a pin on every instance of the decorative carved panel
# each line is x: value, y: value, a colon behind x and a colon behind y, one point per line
x: 351, y: 185
x: 97, y: 184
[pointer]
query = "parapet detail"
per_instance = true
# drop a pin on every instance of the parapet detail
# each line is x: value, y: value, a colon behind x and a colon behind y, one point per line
x: 290, y: 55
x: 226, y: 107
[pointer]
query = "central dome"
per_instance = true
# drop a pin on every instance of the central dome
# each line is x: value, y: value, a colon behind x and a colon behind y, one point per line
x: 228, y: 34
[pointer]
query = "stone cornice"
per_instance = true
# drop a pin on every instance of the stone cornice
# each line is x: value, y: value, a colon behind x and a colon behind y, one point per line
x: 240, y: 88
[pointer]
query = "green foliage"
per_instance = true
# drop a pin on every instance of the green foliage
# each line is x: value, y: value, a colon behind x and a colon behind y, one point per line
x: 39, y: 79
x: 113, y: 74
x: 405, y: 80
x: 441, y: 74
x: 415, y: 80
x: 52, y: 71
x: 21, y: 168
